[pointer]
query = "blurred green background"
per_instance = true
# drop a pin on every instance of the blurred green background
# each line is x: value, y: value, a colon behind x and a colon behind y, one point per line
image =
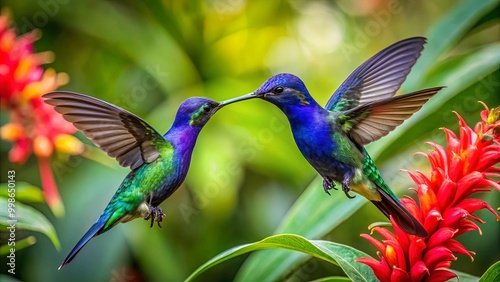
x: 147, y: 56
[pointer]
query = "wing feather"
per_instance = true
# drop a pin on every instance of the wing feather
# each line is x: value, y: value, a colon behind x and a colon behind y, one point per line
x: 379, y: 77
x: 119, y: 133
x: 373, y: 120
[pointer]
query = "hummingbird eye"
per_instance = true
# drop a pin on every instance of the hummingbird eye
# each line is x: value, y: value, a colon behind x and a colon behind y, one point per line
x: 278, y: 90
x: 206, y: 108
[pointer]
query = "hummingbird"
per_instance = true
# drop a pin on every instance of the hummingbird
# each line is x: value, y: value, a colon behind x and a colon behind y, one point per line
x: 362, y: 110
x: 158, y: 163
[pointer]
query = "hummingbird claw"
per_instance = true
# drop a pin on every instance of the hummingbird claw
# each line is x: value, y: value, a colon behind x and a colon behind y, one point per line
x: 328, y: 184
x: 347, y: 189
x: 155, y: 214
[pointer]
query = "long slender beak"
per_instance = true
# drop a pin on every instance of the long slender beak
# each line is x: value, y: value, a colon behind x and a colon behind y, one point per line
x: 237, y: 99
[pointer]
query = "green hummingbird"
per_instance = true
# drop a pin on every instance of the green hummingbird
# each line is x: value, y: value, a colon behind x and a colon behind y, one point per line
x: 362, y: 110
x: 158, y: 163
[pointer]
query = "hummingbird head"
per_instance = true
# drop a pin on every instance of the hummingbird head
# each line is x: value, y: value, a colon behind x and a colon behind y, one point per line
x: 196, y: 111
x: 283, y: 90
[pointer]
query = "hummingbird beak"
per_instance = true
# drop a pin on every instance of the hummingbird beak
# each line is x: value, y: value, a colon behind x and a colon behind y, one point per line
x: 237, y: 99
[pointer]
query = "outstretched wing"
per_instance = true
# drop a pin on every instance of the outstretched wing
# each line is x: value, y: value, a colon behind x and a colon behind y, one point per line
x: 379, y: 77
x: 373, y: 120
x: 121, y: 134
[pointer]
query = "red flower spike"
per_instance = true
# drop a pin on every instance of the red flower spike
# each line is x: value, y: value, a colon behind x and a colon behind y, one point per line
x: 466, y: 166
x: 34, y: 126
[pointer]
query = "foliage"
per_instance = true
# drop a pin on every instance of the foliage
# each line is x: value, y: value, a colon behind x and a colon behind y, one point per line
x: 247, y: 177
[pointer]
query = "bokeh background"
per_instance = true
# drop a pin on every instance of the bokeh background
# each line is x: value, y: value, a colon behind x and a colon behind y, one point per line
x: 247, y: 179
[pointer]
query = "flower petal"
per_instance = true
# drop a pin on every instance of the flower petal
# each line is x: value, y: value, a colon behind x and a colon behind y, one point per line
x: 440, y: 275
x: 458, y: 248
x: 437, y: 254
x: 416, y: 249
x: 380, y: 268
x: 399, y: 274
x: 446, y: 193
x: 418, y: 271
x: 432, y: 220
x: 440, y: 237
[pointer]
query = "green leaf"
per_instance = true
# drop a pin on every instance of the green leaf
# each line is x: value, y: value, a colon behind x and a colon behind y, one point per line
x: 492, y: 274
x: 28, y: 218
x: 332, y: 279
x: 20, y: 244
x: 464, y: 277
x: 337, y: 254
x: 444, y: 36
x: 313, y: 215
x: 25, y: 192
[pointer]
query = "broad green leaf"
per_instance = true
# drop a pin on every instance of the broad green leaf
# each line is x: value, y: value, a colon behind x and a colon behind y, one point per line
x: 332, y: 279
x: 464, y: 277
x: 8, y: 278
x: 445, y: 34
x: 492, y: 274
x: 337, y: 254
x: 28, y: 218
x: 25, y: 192
x: 20, y: 244
x: 313, y: 215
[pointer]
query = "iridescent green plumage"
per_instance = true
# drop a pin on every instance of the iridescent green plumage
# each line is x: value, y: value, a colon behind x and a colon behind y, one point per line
x: 159, y: 163
x: 362, y: 110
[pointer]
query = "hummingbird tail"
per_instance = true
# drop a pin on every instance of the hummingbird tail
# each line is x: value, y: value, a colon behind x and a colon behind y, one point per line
x: 95, y: 230
x: 392, y: 206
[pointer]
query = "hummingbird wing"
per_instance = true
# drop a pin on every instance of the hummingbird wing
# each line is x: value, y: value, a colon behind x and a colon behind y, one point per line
x: 119, y: 133
x: 379, y: 77
x: 373, y: 120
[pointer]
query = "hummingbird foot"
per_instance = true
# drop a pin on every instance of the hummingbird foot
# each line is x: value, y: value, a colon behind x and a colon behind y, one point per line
x: 155, y: 214
x: 346, y: 188
x: 328, y: 184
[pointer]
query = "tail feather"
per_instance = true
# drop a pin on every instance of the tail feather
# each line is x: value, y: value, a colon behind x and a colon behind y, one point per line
x: 391, y: 206
x: 91, y: 233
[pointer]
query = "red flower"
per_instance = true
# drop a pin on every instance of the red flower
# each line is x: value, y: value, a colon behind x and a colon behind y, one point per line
x: 465, y: 167
x: 34, y: 126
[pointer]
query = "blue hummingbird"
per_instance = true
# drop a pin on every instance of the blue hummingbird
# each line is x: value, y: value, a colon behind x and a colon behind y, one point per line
x: 158, y: 163
x: 362, y: 110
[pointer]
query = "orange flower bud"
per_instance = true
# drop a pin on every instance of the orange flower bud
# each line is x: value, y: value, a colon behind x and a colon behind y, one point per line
x: 11, y: 132
x: 390, y: 255
x: 42, y: 146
